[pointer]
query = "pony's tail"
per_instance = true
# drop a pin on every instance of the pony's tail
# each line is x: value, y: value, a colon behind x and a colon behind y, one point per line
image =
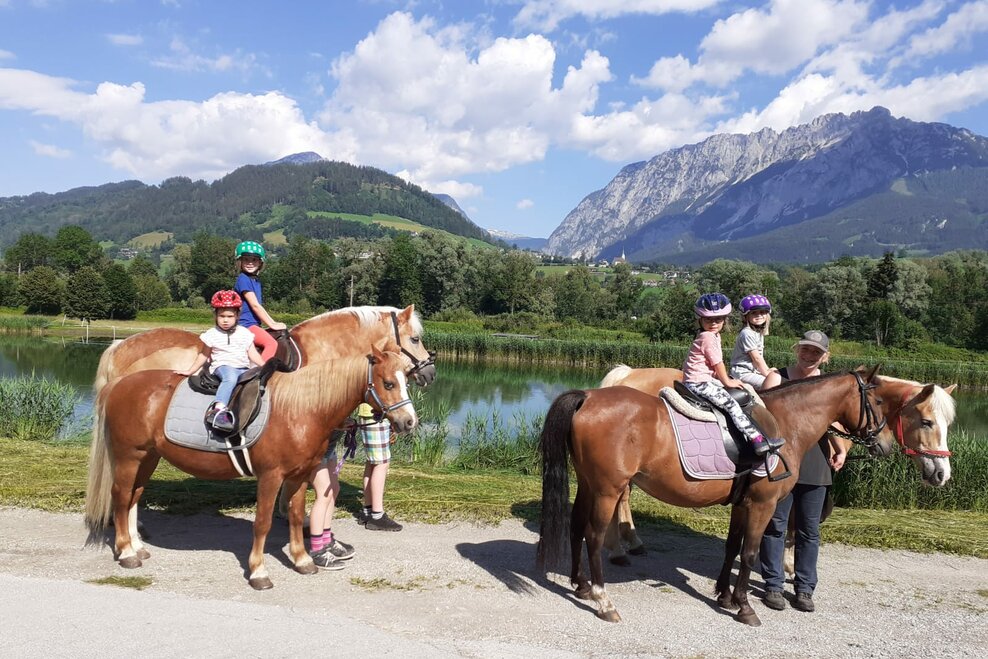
x: 105, y: 371
x: 100, y: 485
x: 615, y: 376
x: 553, y: 446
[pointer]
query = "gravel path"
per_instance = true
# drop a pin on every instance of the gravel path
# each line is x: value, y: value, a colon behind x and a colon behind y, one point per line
x: 456, y: 590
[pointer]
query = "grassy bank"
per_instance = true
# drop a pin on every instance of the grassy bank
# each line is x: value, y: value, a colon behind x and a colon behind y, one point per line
x: 52, y: 477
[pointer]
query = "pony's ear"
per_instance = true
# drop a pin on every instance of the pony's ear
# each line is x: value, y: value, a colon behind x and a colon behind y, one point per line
x: 406, y: 314
x: 923, y: 394
x: 950, y: 389
x: 872, y: 373
x: 375, y: 356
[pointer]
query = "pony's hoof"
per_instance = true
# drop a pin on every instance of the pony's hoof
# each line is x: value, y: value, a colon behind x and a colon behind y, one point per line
x: 583, y: 593
x: 750, y: 619
x: 609, y: 616
x: 130, y: 562
x: 637, y: 551
x: 307, y: 568
x: 143, y: 554
x: 261, y: 583
x: 725, y: 602
x: 621, y: 559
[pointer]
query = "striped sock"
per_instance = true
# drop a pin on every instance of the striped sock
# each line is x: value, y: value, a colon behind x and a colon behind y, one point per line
x: 317, y: 542
x: 377, y: 514
x: 327, y: 537
x: 367, y: 511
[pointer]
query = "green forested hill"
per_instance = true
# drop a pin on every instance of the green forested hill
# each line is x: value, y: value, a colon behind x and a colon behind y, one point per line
x: 244, y: 204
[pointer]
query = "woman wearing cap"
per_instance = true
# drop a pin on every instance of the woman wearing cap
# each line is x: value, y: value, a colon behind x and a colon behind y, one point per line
x: 808, y: 495
x: 748, y: 359
x: 250, y: 261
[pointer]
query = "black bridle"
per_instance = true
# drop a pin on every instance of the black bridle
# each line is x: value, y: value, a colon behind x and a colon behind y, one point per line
x: 868, y: 428
x: 372, y: 398
x: 417, y: 364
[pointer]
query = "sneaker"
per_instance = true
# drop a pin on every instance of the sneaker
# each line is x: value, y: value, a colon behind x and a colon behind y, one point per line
x: 804, y: 602
x: 774, y: 600
x: 224, y: 421
x: 385, y: 523
x: 211, y: 413
x: 767, y: 445
x: 341, y: 550
x: 325, y: 560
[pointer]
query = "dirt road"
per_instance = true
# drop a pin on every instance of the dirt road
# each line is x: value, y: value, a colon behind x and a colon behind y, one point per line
x: 456, y: 590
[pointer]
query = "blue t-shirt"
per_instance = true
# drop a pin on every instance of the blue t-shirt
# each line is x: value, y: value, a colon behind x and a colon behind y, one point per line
x: 246, y: 283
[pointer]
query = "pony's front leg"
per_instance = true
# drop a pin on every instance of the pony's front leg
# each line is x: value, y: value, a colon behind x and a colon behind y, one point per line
x: 732, y: 548
x: 295, y: 491
x: 267, y: 491
x: 604, y: 510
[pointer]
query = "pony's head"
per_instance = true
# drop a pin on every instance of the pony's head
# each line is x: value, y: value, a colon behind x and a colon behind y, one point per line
x: 387, y: 389
x: 872, y: 428
x: 919, y: 416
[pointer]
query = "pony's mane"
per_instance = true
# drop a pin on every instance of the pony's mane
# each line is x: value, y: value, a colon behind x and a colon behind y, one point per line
x: 943, y: 404
x: 321, y: 385
x: 367, y: 316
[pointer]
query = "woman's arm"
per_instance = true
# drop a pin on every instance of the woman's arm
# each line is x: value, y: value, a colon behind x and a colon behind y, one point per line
x: 260, y: 312
x: 838, y: 452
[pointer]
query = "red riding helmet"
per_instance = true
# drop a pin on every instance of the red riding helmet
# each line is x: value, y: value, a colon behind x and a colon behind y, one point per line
x: 226, y: 300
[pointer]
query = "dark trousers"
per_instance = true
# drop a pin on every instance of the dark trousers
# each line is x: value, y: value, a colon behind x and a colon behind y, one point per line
x: 809, y: 506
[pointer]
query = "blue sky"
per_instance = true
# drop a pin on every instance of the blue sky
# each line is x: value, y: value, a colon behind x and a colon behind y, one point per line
x: 517, y: 108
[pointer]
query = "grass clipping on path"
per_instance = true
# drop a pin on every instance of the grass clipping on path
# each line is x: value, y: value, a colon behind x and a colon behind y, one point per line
x: 52, y: 476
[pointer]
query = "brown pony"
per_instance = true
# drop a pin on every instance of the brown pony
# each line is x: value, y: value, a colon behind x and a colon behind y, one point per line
x: 128, y: 442
x: 618, y: 435
x: 340, y: 333
x: 919, y: 414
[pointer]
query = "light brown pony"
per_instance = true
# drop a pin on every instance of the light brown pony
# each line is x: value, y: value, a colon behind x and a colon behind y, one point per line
x: 340, y: 333
x: 618, y: 435
x: 129, y: 440
x: 919, y: 414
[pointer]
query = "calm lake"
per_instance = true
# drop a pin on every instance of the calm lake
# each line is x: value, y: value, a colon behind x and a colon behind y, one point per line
x: 509, y: 392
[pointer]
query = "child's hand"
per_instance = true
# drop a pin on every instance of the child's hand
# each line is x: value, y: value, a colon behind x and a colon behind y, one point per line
x: 183, y: 373
x: 734, y: 383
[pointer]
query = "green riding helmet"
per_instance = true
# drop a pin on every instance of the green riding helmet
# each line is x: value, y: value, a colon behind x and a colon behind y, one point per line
x: 250, y: 247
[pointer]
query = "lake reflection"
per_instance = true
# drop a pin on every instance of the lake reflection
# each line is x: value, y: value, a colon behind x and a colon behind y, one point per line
x: 465, y: 388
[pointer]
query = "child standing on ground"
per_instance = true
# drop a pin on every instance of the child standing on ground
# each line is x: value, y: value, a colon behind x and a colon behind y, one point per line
x: 250, y: 261
x: 230, y: 350
x: 705, y: 375
x: 747, y: 360
x: 327, y: 551
x: 376, y: 437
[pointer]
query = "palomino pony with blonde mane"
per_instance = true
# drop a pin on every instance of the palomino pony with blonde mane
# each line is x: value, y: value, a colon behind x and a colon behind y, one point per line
x: 341, y: 333
x: 919, y: 414
x: 619, y: 435
x: 129, y: 441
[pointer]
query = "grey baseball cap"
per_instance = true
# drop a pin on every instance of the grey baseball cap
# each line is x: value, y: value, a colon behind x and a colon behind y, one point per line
x: 815, y: 338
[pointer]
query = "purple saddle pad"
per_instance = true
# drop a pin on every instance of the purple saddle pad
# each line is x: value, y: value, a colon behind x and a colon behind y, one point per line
x: 701, y: 448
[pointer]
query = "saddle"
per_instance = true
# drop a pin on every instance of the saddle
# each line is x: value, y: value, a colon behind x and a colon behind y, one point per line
x: 245, y: 402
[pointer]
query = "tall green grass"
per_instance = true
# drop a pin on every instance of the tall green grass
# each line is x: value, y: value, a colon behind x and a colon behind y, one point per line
x: 895, y: 483
x: 34, y: 409
x: 22, y: 324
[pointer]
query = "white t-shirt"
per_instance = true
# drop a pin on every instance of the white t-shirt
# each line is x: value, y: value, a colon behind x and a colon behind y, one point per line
x: 748, y: 340
x: 228, y: 349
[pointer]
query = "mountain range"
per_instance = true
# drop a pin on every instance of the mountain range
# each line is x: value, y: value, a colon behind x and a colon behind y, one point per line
x: 858, y: 184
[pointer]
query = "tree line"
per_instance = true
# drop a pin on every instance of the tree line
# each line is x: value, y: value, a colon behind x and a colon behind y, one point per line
x: 897, y: 302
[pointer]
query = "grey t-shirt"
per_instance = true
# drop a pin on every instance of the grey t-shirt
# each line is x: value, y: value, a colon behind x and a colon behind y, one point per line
x: 748, y: 340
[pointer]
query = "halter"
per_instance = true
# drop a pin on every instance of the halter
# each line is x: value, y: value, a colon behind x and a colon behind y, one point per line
x: 867, y: 431
x: 417, y: 364
x: 900, y: 437
x: 371, y: 397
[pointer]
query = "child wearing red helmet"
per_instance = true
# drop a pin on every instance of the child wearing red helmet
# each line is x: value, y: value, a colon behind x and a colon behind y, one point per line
x: 230, y: 350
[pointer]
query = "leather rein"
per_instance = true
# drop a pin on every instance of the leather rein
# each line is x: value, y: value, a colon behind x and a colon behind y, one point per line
x: 868, y: 428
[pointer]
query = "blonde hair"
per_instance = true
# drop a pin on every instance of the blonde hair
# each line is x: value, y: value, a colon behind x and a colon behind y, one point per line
x: 764, y: 330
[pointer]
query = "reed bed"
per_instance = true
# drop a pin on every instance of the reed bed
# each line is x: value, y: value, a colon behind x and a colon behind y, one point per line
x: 22, y: 324
x: 34, y: 408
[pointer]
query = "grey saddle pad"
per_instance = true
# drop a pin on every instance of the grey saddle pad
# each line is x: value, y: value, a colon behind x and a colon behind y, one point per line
x: 185, y: 424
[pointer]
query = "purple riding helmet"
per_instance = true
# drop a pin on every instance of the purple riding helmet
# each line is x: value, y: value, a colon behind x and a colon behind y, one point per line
x: 712, y: 305
x: 751, y: 303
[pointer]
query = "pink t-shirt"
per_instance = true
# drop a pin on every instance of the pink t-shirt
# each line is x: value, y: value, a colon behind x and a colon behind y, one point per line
x: 704, y: 354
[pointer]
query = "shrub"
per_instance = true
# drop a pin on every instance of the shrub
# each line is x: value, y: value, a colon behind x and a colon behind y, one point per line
x: 34, y: 409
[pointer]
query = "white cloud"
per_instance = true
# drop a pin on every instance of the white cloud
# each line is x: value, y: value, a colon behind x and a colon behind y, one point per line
x: 546, y: 15
x: 182, y: 58
x: 456, y: 189
x: 50, y: 150
x: 125, y: 39
x: 959, y: 29
x: 6, y: 54
x: 524, y: 204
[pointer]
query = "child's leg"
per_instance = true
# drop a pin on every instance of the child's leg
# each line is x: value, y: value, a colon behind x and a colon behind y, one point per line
x: 228, y: 376
x: 264, y: 342
x: 719, y: 397
x: 318, y: 516
x: 374, y: 480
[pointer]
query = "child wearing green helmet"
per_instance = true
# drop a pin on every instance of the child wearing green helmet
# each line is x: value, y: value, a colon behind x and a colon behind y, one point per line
x: 250, y: 257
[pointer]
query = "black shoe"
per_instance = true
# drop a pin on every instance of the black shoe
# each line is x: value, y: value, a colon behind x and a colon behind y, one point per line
x: 211, y: 414
x: 224, y: 421
x: 774, y: 600
x: 760, y: 448
x: 384, y: 523
x: 325, y: 560
x: 341, y: 550
x: 775, y: 443
x: 804, y: 602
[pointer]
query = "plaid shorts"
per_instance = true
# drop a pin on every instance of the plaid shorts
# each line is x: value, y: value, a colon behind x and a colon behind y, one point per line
x: 376, y: 439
